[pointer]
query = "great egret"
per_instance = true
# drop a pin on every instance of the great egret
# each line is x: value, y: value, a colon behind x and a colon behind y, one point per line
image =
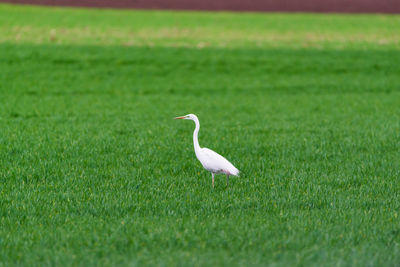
x: 211, y: 161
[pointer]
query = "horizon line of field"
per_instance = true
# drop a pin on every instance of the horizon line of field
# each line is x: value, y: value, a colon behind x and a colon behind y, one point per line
x: 312, y: 6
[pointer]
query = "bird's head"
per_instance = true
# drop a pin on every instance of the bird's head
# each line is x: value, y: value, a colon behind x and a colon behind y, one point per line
x: 187, y: 117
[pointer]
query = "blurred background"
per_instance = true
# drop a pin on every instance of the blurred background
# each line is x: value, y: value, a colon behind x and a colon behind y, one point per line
x: 346, y: 6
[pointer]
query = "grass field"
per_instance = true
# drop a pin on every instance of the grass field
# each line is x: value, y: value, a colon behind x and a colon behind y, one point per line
x: 94, y: 171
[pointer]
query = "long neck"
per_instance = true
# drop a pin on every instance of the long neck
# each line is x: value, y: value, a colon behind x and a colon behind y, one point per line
x: 195, y: 136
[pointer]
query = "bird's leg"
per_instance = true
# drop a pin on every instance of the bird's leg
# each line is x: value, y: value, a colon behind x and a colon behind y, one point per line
x: 212, y: 174
x: 227, y: 180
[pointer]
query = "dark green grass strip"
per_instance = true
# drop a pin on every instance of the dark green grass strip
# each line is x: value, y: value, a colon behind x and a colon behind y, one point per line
x: 159, y: 71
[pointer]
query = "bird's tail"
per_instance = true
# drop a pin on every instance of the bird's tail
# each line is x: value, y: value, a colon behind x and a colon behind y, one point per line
x: 235, y: 171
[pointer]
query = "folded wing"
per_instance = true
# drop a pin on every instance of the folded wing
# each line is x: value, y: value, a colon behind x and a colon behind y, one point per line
x: 214, y: 162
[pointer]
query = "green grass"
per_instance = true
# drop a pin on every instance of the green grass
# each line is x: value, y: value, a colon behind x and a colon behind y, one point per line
x: 197, y: 29
x: 94, y: 171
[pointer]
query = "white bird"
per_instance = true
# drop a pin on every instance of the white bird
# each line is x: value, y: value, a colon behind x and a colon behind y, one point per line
x: 211, y: 161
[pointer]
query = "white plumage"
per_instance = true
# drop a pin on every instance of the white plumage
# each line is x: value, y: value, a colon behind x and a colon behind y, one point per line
x: 215, y: 163
x: 211, y: 161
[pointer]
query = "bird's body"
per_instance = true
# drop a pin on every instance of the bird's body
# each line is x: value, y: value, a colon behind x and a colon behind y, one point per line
x: 215, y: 163
x: 211, y: 161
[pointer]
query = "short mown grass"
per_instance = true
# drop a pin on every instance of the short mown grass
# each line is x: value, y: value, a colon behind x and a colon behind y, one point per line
x: 94, y: 171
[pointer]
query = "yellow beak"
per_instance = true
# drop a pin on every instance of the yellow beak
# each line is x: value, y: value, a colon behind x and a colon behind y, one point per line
x: 177, y: 118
